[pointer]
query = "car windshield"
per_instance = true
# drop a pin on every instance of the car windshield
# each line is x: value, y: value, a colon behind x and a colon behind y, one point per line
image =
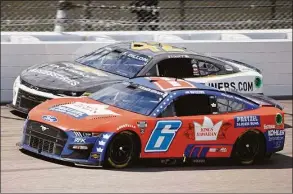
x: 130, y: 97
x: 123, y: 63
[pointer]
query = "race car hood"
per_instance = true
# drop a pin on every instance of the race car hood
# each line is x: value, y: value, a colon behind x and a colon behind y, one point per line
x: 82, y: 114
x: 66, y: 76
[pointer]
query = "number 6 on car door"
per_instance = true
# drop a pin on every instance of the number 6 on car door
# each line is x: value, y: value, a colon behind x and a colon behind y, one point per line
x: 162, y: 136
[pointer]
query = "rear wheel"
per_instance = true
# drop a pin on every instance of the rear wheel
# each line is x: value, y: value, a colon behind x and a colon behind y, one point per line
x: 122, y: 151
x: 249, y: 148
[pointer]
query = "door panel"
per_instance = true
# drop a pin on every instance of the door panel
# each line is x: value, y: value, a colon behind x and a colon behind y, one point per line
x: 175, y: 137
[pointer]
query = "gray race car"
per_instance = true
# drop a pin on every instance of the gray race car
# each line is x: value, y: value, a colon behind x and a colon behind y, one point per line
x: 117, y: 62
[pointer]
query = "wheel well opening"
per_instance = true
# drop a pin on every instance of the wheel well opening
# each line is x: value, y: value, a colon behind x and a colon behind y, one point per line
x: 258, y: 132
x: 136, y: 139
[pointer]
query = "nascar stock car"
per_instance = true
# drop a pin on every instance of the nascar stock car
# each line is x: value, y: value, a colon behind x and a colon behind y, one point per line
x: 155, y: 118
x: 121, y: 61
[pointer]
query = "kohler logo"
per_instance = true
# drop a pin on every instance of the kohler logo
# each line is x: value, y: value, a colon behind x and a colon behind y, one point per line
x: 44, y: 128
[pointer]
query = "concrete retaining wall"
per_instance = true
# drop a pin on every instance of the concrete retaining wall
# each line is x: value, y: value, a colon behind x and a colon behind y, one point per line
x: 270, y: 51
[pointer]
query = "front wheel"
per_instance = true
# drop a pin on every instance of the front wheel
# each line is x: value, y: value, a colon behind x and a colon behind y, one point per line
x: 122, y: 151
x: 249, y: 148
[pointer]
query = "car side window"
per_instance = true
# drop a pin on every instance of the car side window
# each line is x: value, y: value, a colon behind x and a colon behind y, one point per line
x: 207, y: 68
x: 175, y: 67
x: 189, y: 105
x: 153, y: 71
x: 226, y: 105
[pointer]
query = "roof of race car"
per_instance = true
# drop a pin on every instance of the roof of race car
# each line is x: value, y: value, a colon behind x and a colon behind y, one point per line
x: 166, y: 84
x: 151, y: 48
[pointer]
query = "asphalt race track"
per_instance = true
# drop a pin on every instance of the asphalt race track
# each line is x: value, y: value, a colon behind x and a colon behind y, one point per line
x: 25, y: 173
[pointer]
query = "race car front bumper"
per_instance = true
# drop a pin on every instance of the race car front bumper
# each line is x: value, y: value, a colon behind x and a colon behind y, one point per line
x: 69, y: 146
x: 26, y: 97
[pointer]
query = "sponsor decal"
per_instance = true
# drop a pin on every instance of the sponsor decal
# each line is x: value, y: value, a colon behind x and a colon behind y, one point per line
x: 218, y: 150
x: 276, y: 137
x: 82, y: 134
x: 79, y: 140
x: 207, y: 131
x: 213, y: 149
x: 102, y: 143
x: 190, y: 132
x: 77, y: 134
x: 95, y: 155
x: 137, y: 57
x: 78, y: 70
x: 178, y: 56
x: 126, y: 126
x: 80, y: 110
x: 247, y: 121
x: 49, y: 118
x: 194, y: 92
x: 276, y: 132
x: 257, y: 82
x: 55, y: 75
x: 152, y: 91
x: 269, y: 126
x: 226, y: 95
x: 238, y: 86
x: 142, y: 125
x: 106, y: 136
x: 279, y: 119
x: 99, y: 149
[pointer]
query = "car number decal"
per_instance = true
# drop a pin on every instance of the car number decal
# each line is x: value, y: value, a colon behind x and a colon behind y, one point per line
x: 170, y: 84
x: 162, y: 136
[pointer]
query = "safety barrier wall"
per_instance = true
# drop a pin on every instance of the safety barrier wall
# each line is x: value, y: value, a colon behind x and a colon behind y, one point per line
x: 268, y: 50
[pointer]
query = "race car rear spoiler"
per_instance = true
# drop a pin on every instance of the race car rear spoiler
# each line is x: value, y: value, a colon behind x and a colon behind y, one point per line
x: 263, y: 100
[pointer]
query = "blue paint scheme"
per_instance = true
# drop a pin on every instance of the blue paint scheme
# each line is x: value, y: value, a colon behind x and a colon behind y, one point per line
x: 164, y: 131
x: 188, y: 150
x: 274, y: 142
x: 175, y: 94
x: 247, y: 121
x: 195, y: 152
x: 66, y: 151
x: 200, y: 150
x: 204, y: 152
x: 49, y: 118
x: 145, y: 82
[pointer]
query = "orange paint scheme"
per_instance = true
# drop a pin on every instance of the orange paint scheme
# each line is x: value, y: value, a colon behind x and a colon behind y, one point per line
x: 126, y: 120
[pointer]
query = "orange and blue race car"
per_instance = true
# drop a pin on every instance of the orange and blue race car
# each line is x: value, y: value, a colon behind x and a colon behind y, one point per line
x: 155, y: 118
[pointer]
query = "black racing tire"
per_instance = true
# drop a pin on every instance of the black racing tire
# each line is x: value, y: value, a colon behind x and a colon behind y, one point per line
x: 122, y: 151
x: 249, y: 148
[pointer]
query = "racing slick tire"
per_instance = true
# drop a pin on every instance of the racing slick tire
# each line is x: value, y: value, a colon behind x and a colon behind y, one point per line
x: 249, y: 148
x: 123, y: 150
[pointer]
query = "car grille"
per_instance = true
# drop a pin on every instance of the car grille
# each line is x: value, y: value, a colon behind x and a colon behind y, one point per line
x: 45, y: 138
x: 27, y: 100
x: 55, y: 92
